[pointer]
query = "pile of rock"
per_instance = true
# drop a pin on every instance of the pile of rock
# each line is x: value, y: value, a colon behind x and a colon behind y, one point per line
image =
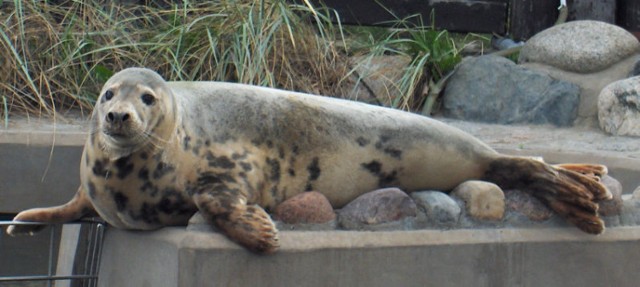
x: 563, y: 77
x: 470, y: 205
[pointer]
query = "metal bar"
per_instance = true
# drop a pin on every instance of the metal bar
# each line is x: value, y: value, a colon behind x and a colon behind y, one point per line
x: 46, y: 278
x: 52, y: 234
x: 92, y: 257
x: 81, y: 221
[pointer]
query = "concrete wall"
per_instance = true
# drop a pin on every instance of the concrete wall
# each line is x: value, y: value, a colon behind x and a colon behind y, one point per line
x: 39, y: 165
x: 508, y: 257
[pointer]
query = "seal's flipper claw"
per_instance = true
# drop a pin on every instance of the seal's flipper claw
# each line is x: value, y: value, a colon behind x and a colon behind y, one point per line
x: 595, y: 171
x: 250, y: 226
x: 588, y: 176
x: 571, y: 194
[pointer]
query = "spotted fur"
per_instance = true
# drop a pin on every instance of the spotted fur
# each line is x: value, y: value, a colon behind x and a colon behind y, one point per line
x: 159, y: 151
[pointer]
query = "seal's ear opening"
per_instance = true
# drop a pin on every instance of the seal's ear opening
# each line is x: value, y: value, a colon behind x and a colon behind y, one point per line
x: 570, y: 190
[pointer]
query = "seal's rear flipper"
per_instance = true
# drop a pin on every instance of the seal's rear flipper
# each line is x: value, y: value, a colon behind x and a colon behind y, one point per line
x: 564, y: 188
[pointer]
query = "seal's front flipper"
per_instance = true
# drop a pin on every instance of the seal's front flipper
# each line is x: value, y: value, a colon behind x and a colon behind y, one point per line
x: 75, y: 209
x: 249, y: 225
x: 569, y: 193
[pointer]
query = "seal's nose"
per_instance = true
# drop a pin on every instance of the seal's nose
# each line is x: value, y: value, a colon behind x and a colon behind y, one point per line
x: 115, y: 118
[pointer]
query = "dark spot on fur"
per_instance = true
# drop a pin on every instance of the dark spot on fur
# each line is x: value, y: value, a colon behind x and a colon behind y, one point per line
x: 207, y: 178
x: 162, y: 169
x: 292, y: 172
x: 149, y: 214
x: 309, y: 187
x: 245, y: 166
x: 220, y: 162
x: 384, y: 179
x: 144, y: 155
x: 148, y: 187
x: 295, y: 150
x: 314, y: 169
x: 274, y: 166
x: 172, y: 202
x: 362, y: 141
x: 269, y: 143
x: 374, y: 167
x: 121, y: 200
x: 185, y: 142
x: 237, y: 156
x: 207, y: 142
x: 99, y: 168
x: 214, y: 182
x: 395, y: 153
x: 143, y: 173
x: 281, y: 152
x: 124, y: 166
x: 383, y: 146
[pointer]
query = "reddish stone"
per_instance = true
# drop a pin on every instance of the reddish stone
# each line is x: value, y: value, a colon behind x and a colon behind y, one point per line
x: 305, y: 208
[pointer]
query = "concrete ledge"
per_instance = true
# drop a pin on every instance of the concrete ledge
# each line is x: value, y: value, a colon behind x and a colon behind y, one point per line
x: 40, y: 168
x: 490, y: 257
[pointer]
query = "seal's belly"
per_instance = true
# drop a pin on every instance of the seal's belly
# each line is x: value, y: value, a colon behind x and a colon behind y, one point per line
x: 134, y: 194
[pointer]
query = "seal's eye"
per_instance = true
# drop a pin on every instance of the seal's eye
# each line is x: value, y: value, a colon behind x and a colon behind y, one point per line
x: 148, y: 99
x: 108, y: 95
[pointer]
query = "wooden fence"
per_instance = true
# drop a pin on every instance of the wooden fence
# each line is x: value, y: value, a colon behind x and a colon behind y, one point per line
x: 519, y: 18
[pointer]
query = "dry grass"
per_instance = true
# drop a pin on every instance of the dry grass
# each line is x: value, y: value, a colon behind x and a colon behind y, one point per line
x: 55, y: 57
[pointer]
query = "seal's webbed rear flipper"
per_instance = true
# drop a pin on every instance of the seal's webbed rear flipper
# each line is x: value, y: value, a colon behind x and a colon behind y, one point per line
x: 571, y: 190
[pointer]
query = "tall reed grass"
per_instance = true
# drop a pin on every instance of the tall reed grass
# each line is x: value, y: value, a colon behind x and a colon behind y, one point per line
x: 55, y: 57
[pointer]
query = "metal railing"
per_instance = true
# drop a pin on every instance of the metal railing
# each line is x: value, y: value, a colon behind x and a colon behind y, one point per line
x: 81, y: 268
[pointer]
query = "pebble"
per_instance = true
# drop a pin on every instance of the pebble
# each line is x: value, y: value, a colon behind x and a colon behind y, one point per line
x: 440, y: 209
x: 377, y: 207
x: 613, y: 206
x: 483, y: 200
x: 305, y: 208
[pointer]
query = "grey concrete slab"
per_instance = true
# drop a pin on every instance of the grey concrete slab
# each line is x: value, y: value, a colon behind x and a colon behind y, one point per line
x: 490, y: 257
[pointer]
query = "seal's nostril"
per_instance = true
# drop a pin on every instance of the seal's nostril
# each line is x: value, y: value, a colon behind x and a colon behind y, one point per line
x: 113, y: 117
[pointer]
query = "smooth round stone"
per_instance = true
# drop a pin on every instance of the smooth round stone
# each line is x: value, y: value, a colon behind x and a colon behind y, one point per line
x: 580, y: 46
x: 619, y: 107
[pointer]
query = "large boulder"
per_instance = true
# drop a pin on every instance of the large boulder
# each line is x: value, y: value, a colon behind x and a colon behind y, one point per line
x: 619, y: 107
x: 589, y: 54
x: 495, y: 90
x: 580, y: 46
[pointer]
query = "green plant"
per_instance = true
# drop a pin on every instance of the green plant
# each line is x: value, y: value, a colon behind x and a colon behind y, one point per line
x: 433, y: 54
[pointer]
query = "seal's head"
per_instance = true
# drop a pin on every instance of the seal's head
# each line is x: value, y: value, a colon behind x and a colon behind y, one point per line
x: 135, y: 110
